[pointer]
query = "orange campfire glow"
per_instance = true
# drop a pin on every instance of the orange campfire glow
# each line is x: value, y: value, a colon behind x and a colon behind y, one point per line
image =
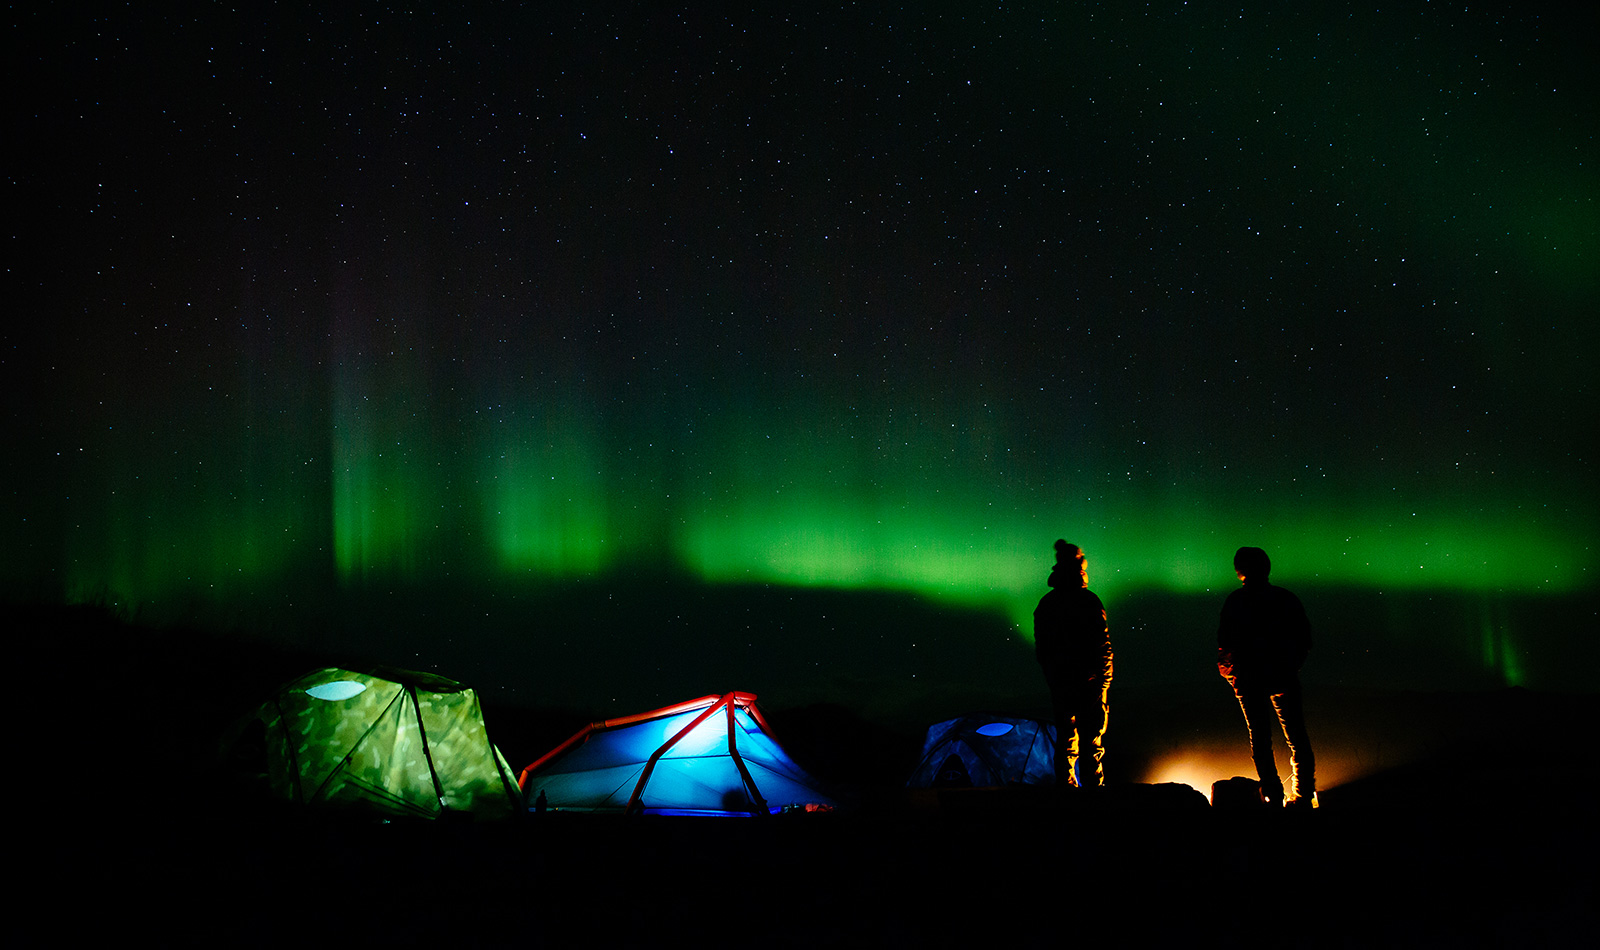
x: 1200, y: 766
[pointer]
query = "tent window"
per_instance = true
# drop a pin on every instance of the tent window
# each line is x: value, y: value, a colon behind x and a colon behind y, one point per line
x: 995, y: 729
x: 337, y: 690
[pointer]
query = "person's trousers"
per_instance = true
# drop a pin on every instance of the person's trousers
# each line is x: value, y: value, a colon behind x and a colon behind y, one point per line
x: 1261, y: 708
x: 1083, y: 709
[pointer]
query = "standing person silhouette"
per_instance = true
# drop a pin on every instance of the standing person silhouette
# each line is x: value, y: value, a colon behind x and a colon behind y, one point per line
x: 1262, y: 641
x: 1073, y: 646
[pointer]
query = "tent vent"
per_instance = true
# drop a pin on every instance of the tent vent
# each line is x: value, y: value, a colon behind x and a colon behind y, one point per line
x: 995, y: 729
x: 337, y: 690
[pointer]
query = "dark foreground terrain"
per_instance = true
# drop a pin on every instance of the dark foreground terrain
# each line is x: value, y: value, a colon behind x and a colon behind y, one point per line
x: 993, y: 874
x: 130, y: 832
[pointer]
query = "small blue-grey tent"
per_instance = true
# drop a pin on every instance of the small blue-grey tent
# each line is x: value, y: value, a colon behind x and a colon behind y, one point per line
x: 714, y: 755
x: 983, y: 750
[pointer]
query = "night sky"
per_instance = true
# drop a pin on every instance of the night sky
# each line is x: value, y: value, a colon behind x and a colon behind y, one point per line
x: 314, y: 307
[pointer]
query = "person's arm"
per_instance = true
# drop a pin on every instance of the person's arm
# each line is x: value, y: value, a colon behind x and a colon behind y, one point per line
x: 1227, y: 633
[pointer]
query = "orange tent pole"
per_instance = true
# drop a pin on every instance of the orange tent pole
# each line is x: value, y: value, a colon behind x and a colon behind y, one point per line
x: 579, y: 736
x: 582, y: 735
x: 638, y: 790
x: 738, y: 760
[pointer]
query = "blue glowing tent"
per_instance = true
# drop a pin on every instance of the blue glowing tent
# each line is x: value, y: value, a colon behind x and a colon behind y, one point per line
x: 714, y: 755
x: 983, y: 750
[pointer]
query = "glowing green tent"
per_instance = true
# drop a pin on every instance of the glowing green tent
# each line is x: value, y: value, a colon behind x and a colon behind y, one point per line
x: 398, y: 744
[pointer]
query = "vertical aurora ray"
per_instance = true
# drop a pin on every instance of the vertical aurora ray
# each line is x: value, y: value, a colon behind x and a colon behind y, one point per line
x: 1499, y: 649
x: 543, y: 503
x: 204, y: 496
x: 373, y: 501
x: 194, y: 532
x: 392, y: 438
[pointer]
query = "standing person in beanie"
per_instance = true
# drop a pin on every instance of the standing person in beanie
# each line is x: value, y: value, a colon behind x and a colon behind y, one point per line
x: 1262, y: 641
x: 1073, y: 645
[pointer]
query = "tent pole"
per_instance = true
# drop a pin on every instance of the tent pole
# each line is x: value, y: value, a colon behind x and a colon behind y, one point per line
x: 513, y: 789
x: 353, y: 747
x: 604, y: 724
x: 748, y: 701
x: 294, y: 757
x: 744, y: 773
x: 579, y: 736
x: 427, y: 753
x: 634, y: 806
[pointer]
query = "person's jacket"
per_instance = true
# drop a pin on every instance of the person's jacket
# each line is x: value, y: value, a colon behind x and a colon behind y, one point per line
x: 1263, y: 638
x: 1070, y: 636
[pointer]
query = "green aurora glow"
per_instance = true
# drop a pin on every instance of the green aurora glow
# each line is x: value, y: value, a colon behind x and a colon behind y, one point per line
x: 552, y: 505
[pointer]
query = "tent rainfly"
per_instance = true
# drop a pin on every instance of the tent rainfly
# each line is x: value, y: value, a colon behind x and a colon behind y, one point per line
x: 986, y: 751
x: 714, y: 755
x: 399, y: 744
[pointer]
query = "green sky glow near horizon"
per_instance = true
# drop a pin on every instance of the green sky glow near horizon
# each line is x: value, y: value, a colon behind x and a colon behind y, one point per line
x: 531, y: 510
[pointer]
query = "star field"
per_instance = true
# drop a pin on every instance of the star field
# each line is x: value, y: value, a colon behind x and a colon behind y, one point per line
x: 843, y: 297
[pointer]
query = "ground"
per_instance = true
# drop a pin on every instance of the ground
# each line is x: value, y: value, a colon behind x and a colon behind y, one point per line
x: 134, y: 834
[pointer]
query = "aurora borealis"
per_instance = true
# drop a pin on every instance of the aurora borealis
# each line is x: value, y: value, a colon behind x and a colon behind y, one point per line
x: 842, y: 299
